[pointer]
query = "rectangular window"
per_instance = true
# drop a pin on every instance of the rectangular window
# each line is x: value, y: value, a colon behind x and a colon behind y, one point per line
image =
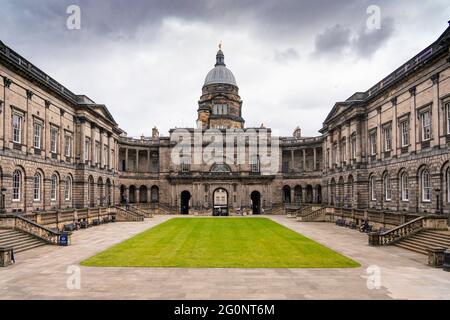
x: 185, y: 164
x: 53, y: 140
x: 67, y: 146
x: 343, y: 151
x: 373, y: 143
x: 37, y: 135
x: 387, y: 133
x: 447, y: 106
x: 353, y: 144
x: 425, y: 120
x: 97, y: 152
x: 105, y: 154
x: 255, y: 164
x: 404, y: 131
x: 17, y: 128
x: 87, y: 147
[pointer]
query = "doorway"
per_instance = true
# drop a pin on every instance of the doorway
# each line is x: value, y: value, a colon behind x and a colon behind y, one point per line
x: 256, y: 202
x: 220, y: 202
x: 185, y: 198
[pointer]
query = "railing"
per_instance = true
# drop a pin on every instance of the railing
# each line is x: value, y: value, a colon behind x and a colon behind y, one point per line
x: 36, y: 230
x: 397, y: 233
x: 129, y: 215
x: 139, y: 211
x: 313, y: 214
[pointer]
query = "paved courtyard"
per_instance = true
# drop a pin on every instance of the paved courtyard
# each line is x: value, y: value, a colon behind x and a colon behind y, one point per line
x: 43, y: 273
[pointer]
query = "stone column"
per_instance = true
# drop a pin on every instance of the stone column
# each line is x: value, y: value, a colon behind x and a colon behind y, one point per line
x: 435, y: 114
x: 413, y: 118
x: 394, y: 130
x: 126, y: 158
x: 292, y: 160
x: 379, y: 135
x: 92, y: 158
x: 315, y: 159
x: 359, y: 141
x: 304, y: 160
x: 137, y: 160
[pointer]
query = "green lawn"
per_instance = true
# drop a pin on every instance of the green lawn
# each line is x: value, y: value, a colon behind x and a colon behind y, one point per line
x: 220, y: 243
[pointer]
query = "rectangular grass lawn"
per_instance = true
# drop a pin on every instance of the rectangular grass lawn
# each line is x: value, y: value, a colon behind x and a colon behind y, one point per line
x: 220, y: 243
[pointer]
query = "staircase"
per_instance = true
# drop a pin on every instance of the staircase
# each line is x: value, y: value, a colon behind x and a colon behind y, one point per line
x: 18, y: 240
x: 422, y: 240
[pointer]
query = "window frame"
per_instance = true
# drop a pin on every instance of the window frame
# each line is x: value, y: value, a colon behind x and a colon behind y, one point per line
x: 37, y: 137
x: 54, y: 140
x: 37, y: 186
x: 53, y: 187
x: 404, y: 133
x: 17, y: 127
x: 404, y: 188
x: 16, y: 192
x: 425, y: 190
x: 425, y: 129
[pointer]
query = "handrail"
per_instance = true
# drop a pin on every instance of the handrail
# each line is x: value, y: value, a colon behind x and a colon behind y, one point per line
x: 140, y: 211
x: 313, y: 214
x: 129, y: 215
x: 36, y: 230
x: 397, y: 233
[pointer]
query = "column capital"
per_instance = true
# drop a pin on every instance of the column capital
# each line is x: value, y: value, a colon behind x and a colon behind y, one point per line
x: 412, y: 91
x: 435, y: 78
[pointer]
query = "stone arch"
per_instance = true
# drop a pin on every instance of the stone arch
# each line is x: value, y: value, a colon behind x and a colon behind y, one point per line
x: 286, y: 194
x: 341, y: 191
x: 350, y: 190
x: 91, y: 191
x: 298, y: 193
x: 332, y: 192
x: 318, y: 194
x: 108, y: 192
x: 132, y: 194
x: 309, y: 196
x: 101, y: 191
x: 143, y: 194
x: 154, y: 194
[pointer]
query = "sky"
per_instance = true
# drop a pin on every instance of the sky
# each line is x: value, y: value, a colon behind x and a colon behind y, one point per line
x: 292, y: 60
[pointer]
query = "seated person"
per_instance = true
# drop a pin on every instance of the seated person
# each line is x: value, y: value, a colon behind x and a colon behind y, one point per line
x: 364, y: 226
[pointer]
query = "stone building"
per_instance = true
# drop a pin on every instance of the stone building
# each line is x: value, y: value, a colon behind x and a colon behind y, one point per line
x: 385, y: 148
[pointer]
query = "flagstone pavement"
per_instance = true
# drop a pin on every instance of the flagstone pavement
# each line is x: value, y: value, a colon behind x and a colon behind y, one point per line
x: 44, y: 273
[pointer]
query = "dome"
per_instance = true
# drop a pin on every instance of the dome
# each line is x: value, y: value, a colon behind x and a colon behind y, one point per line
x: 220, y: 74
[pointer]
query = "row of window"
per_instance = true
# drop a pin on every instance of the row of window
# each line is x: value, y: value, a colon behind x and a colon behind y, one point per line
x: 255, y: 164
x: 424, y: 182
x: 17, y: 121
x: 425, y: 134
x: 220, y: 109
x: 17, y: 183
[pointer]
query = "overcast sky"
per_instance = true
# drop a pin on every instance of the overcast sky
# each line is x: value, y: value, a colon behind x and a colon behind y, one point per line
x: 292, y: 59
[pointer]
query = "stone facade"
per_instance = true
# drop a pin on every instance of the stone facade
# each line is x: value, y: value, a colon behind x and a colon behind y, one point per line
x: 384, y: 149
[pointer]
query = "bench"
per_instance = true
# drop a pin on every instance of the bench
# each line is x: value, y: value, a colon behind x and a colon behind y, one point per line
x: 69, y: 227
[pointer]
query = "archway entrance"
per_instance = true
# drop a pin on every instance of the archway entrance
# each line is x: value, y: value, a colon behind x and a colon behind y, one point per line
x: 286, y: 194
x: 185, y: 197
x: 256, y: 202
x: 220, y: 202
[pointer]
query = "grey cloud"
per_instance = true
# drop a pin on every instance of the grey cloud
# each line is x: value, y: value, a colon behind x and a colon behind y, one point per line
x: 333, y: 40
x: 286, y: 55
x: 369, y: 41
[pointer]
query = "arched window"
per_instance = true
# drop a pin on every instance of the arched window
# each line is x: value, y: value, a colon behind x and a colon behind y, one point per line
x: 387, y: 187
x: 426, y: 186
x: 37, y: 187
x: 53, y: 187
x: 404, y: 190
x: 16, y: 185
x: 68, y: 188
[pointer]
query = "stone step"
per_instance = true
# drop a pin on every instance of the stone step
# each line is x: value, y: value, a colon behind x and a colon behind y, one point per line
x: 435, y: 235
x: 20, y: 241
x: 14, y: 235
x: 430, y: 240
x: 427, y: 242
x: 410, y: 247
x: 29, y: 246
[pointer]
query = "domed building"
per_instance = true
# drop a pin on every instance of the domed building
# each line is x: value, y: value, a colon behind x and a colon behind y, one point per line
x: 220, y: 105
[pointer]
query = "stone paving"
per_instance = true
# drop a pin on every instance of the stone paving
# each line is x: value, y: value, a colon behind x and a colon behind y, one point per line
x: 42, y: 273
